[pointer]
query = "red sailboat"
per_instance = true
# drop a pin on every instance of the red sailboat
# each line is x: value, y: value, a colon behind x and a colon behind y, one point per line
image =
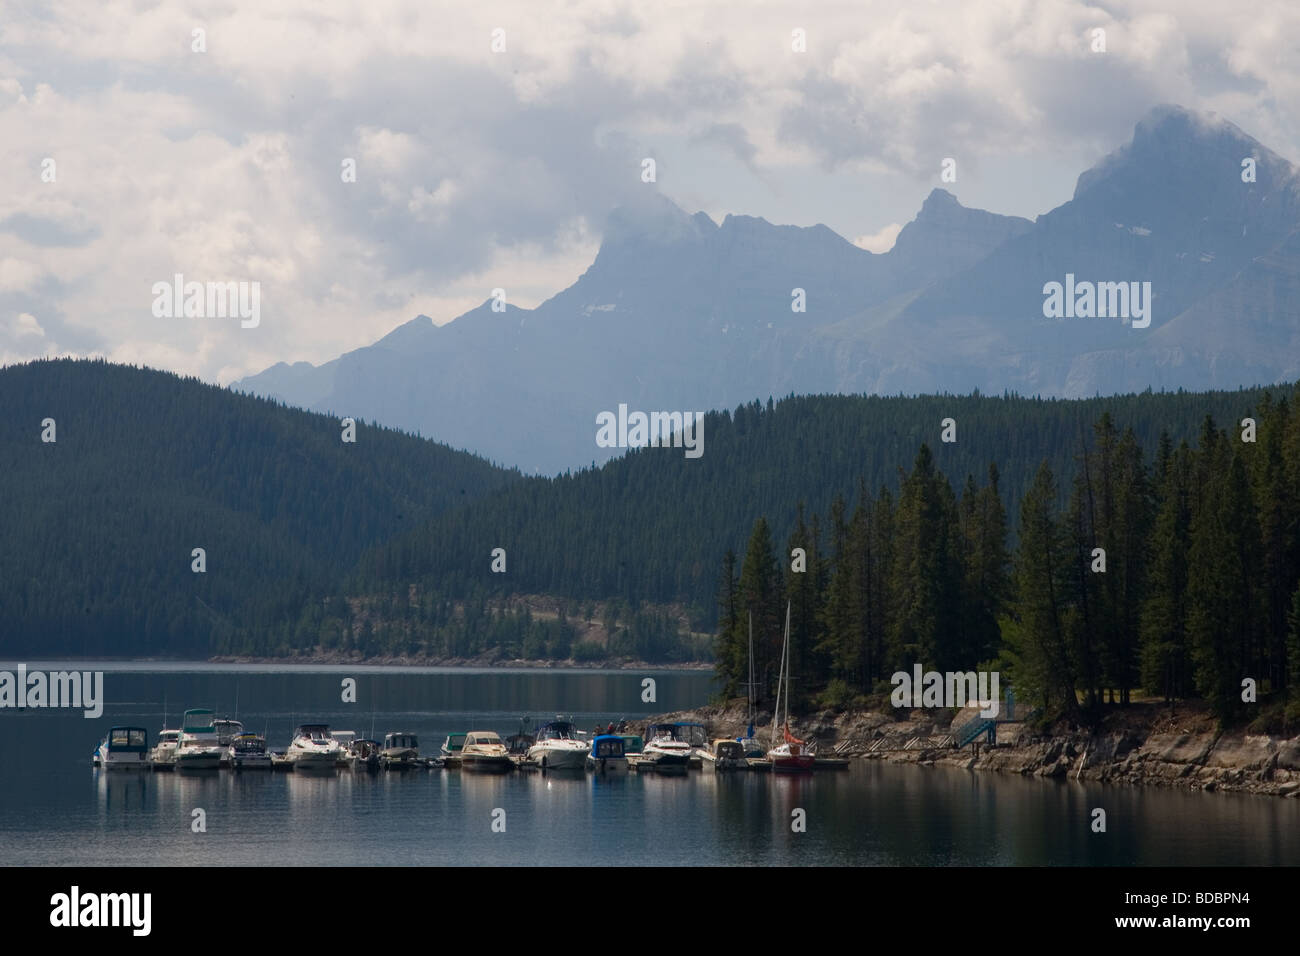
x: 793, y: 756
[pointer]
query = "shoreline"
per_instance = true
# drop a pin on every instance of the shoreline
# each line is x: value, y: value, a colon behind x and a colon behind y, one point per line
x: 1144, y: 745
x: 398, y: 660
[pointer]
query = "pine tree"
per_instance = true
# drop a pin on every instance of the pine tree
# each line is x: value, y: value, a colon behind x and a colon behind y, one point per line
x: 1047, y: 667
x: 761, y: 595
x: 1222, y: 590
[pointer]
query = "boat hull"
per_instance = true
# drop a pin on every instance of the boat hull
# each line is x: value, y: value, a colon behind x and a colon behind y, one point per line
x: 555, y: 758
x: 793, y: 763
x: 124, y: 761
x: 197, y: 762
x: 662, y: 762
x: 609, y: 766
x: 314, y: 762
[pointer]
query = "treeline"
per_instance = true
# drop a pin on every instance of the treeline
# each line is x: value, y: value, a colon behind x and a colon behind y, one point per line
x: 1175, y: 572
x: 436, y: 623
x: 98, y: 526
x: 649, y: 527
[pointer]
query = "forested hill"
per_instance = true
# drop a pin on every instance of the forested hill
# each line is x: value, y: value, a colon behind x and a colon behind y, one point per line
x: 654, y: 525
x: 98, y: 527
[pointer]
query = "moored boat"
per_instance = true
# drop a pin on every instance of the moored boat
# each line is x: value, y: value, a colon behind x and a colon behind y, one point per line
x: 484, y: 752
x: 664, y: 752
x: 313, y: 748
x: 400, y: 752
x: 558, y: 747
x: 197, y: 748
x: 726, y: 754
x: 163, y: 755
x: 124, y: 748
x: 248, y: 752
x: 792, y: 756
x: 227, y: 730
x: 451, y: 747
x: 606, y: 755
x: 363, y: 755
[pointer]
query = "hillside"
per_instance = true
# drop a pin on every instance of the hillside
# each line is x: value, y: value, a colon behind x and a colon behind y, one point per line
x: 99, y: 525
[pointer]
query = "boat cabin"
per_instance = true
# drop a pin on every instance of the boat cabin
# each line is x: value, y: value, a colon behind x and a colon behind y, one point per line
x: 227, y: 730
x: 689, y: 733
x: 632, y: 744
x: 728, y: 750
x: 606, y: 746
x: 315, y: 732
x: 249, y: 744
x: 558, y: 730
x: 199, y: 722
x: 483, y: 738
x: 401, y: 742
x: 128, y: 740
x: 453, y: 744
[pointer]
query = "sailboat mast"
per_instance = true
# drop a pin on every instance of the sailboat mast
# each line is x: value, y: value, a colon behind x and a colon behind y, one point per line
x: 785, y: 657
x: 780, y: 679
x: 750, y: 686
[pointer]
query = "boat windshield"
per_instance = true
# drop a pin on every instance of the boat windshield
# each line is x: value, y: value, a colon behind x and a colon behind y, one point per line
x: 126, y: 737
x: 609, y: 748
x: 692, y: 734
x: 316, y: 732
x: 557, y: 730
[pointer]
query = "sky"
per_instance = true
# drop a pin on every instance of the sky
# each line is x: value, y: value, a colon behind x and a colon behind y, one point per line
x: 490, y: 141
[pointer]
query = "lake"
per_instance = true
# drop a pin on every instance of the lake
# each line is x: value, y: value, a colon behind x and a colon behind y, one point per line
x: 56, y: 809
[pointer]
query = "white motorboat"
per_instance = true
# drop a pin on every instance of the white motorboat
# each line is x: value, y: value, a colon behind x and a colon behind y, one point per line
x: 557, y: 747
x: 313, y: 748
x: 163, y: 756
x: 664, y: 751
x: 484, y: 752
x: 125, y: 748
x: 197, y: 748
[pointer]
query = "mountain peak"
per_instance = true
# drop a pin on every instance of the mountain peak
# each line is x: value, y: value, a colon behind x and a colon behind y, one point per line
x: 1171, y: 135
x: 937, y: 202
x: 654, y: 218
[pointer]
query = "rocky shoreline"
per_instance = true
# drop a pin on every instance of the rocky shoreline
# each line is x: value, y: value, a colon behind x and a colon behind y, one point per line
x: 1143, y: 745
x: 487, y: 660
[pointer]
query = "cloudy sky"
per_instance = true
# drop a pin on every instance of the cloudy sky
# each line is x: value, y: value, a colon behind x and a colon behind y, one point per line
x: 478, y: 168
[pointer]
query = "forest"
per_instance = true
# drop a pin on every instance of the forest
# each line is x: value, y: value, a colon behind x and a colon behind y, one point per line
x: 1173, y: 572
x: 971, y: 551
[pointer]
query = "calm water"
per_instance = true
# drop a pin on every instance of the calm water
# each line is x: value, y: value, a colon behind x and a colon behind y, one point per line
x: 55, y: 809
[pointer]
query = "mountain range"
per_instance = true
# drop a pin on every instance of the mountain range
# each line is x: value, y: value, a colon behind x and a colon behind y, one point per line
x: 680, y: 313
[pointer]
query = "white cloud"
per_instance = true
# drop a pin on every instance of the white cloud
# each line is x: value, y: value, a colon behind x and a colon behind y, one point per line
x: 473, y: 167
x: 881, y: 241
x: 25, y: 324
